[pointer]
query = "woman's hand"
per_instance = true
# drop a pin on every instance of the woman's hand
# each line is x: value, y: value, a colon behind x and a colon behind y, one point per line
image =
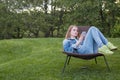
x: 80, y: 40
x: 83, y: 34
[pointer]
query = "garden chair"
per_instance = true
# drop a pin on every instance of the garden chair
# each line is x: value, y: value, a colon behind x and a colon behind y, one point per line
x: 83, y: 56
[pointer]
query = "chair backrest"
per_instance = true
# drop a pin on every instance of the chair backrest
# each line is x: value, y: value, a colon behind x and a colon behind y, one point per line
x: 83, y: 28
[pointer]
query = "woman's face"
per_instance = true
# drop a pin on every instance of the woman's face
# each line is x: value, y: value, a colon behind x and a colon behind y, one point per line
x: 74, y: 32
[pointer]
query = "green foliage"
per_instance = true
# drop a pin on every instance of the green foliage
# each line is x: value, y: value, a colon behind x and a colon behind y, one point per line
x: 110, y: 16
x: 116, y: 31
x: 42, y: 59
x: 21, y: 18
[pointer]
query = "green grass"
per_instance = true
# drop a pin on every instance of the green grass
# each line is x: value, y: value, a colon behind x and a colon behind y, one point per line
x: 42, y: 59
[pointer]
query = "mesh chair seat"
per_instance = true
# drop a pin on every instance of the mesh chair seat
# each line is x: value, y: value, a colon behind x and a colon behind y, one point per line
x: 84, y: 56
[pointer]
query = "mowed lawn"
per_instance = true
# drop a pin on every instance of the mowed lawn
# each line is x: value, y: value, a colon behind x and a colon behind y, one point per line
x: 42, y: 59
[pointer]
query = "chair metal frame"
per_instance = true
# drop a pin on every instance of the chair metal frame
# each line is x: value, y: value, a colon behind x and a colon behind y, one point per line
x: 85, y: 57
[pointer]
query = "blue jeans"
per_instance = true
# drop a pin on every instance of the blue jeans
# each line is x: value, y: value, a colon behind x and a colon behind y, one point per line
x: 93, y: 40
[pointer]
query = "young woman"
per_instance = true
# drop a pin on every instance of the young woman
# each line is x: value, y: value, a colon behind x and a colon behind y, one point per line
x: 91, y: 42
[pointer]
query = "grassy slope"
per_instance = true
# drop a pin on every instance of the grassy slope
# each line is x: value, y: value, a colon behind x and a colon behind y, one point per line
x: 41, y: 59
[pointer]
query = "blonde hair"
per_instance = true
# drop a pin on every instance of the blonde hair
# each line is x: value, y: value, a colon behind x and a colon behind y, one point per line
x: 69, y: 30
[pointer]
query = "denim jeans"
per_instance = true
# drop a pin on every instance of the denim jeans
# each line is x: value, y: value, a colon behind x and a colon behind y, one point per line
x: 93, y: 40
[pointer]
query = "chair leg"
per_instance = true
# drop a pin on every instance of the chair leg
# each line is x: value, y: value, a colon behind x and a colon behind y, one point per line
x: 67, y: 59
x: 96, y: 60
x: 106, y: 63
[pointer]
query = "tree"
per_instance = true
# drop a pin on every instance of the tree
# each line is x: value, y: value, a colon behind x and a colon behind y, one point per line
x: 27, y: 18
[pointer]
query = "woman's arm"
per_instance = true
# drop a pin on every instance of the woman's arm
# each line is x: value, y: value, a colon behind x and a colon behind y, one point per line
x: 67, y: 46
x: 80, y: 40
